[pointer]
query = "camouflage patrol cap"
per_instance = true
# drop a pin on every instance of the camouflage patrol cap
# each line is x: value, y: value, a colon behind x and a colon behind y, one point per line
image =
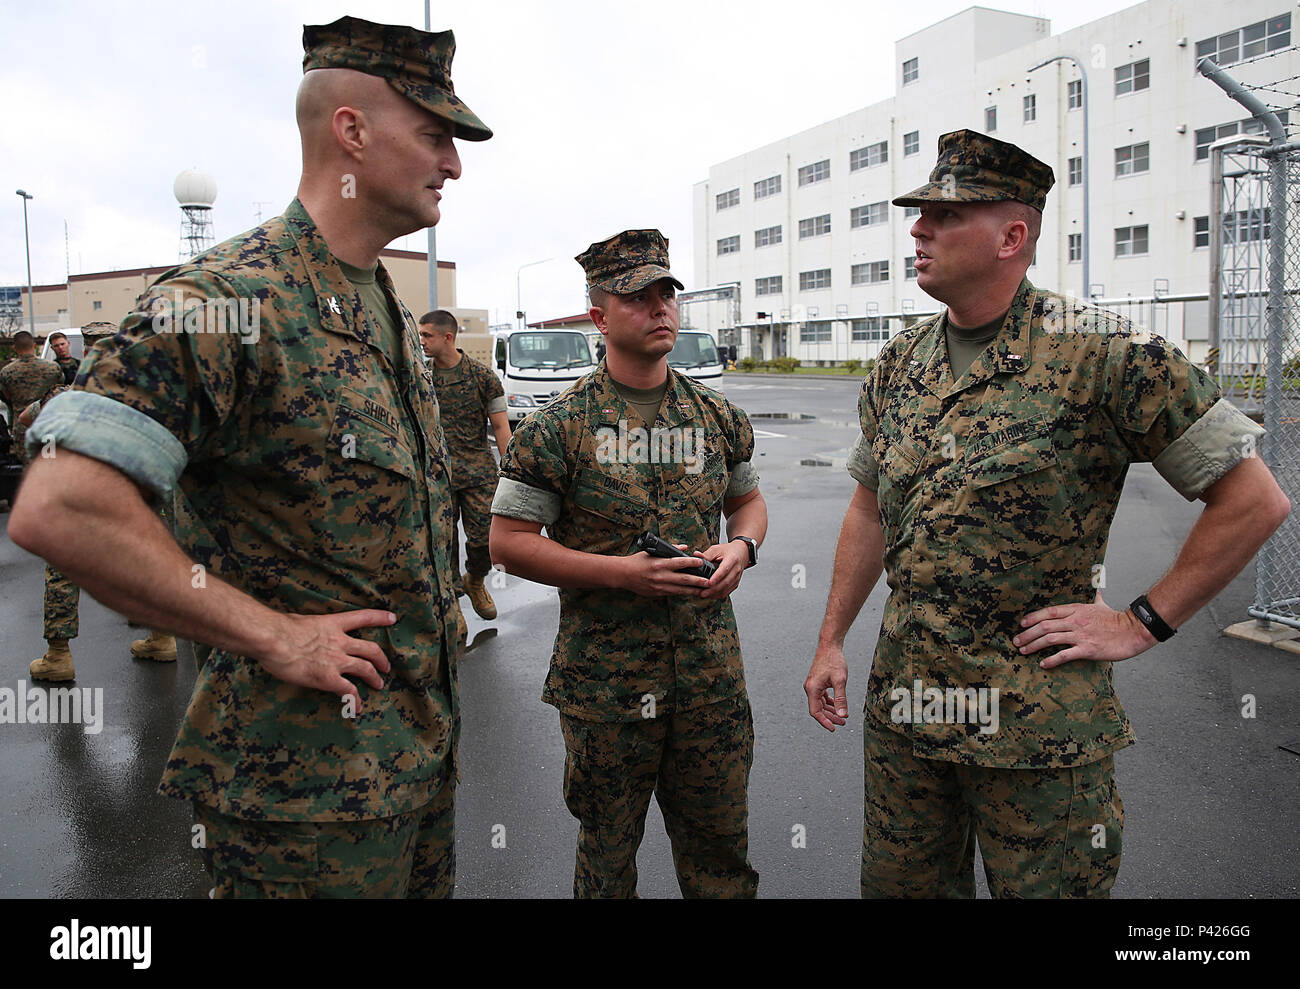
x: 976, y: 168
x: 416, y: 63
x: 627, y: 262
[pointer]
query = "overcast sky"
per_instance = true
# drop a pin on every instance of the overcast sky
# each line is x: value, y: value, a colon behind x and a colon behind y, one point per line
x: 605, y: 116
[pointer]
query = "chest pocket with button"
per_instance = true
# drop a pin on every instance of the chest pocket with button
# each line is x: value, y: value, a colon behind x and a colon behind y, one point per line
x: 1020, y: 493
x: 368, y: 474
x: 610, y: 512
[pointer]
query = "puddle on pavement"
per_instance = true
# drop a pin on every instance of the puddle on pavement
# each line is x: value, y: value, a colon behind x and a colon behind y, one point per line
x: 783, y: 416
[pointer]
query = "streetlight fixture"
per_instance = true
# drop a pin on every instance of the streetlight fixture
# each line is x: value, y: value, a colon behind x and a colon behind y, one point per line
x: 519, y: 307
x: 1087, y: 170
x: 31, y: 302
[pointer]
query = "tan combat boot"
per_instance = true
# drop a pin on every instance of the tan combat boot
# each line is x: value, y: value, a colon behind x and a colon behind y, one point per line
x: 56, y: 664
x: 479, y: 597
x: 160, y: 647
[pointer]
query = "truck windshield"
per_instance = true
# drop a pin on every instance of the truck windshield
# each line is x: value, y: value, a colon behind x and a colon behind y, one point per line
x: 693, y: 350
x: 549, y: 350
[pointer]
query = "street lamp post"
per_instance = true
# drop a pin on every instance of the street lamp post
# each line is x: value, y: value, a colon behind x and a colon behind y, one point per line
x: 519, y: 307
x: 27, y: 245
x: 1087, y: 169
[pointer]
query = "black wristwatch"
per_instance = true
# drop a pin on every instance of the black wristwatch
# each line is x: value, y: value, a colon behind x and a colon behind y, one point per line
x: 753, y: 547
x: 1146, y: 614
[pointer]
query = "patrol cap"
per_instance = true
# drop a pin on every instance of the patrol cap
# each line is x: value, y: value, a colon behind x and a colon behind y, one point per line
x: 416, y: 63
x: 976, y: 168
x: 627, y: 262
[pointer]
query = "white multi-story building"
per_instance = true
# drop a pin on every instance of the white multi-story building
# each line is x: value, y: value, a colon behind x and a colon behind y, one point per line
x: 805, y: 229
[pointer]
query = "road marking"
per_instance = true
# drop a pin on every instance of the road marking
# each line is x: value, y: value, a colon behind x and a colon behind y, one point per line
x: 763, y: 434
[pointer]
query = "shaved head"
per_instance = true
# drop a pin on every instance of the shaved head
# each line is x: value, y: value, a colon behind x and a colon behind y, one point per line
x: 323, y: 91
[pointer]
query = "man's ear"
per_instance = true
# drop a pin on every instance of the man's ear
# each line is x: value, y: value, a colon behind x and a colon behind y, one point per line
x: 350, y: 127
x: 1014, y: 235
x: 597, y: 316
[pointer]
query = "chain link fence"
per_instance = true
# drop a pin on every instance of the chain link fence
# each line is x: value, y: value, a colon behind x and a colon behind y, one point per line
x: 1255, y: 300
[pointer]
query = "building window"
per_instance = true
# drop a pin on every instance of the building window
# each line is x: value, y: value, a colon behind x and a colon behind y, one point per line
x: 872, y: 154
x: 1076, y: 247
x: 770, y: 186
x: 910, y: 212
x: 97, y: 305
x: 1075, y: 169
x: 1245, y: 225
x: 815, y: 226
x: 728, y: 199
x: 767, y: 236
x: 911, y: 143
x: 911, y: 70
x: 990, y: 118
x: 1251, y: 125
x: 871, y: 328
x: 1201, y: 232
x: 815, y: 172
x: 865, y: 216
x: 815, y: 332
x: 1074, y: 94
x: 1132, y: 158
x: 1031, y: 108
x: 768, y: 286
x: 1247, y: 42
x: 870, y: 273
x: 909, y: 268
x: 811, y: 280
x: 729, y: 245
x: 1132, y: 77
x: 1130, y: 241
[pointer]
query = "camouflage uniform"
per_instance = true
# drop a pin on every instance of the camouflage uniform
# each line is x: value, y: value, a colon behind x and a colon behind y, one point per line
x: 310, y: 473
x: 651, y: 691
x: 467, y: 394
x: 996, y: 495
x: 25, y: 380
x: 68, y: 365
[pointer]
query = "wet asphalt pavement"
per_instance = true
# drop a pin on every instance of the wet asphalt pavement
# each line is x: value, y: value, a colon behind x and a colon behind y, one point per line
x: 1210, y: 798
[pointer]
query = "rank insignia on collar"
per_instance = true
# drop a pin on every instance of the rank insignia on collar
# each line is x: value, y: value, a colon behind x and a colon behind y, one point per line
x: 333, y: 303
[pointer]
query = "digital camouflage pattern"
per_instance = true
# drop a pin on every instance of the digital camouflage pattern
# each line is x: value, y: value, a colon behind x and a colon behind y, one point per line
x: 1035, y: 829
x: 68, y: 365
x: 61, y: 599
x: 25, y: 380
x: 466, y: 395
x: 411, y: 855
x: 316, y: 482
x: 416, y: 63
x: 976, y: 168
x: 627, y: 262
x: 696, y: 764
x: 474, y: 511
x: 996, y: 497
x: 615, y: 647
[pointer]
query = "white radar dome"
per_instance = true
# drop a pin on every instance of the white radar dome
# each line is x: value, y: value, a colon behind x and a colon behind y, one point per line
x: 194, y: 188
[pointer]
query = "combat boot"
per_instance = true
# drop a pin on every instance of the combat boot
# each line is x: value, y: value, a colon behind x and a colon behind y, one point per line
x: 160, y: 647
x: 56, y: 664
x: 479, y: 597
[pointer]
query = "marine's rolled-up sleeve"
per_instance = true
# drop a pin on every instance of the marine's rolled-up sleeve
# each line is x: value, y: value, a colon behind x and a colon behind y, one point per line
x: 1169, y: 412
x: 491, y: 393
x: 534, y: 474
x: 162, y: 392
x: 743, y: 475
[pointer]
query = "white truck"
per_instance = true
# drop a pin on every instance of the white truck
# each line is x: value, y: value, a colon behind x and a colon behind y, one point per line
x: 536, y: 365
x: 696, y: 356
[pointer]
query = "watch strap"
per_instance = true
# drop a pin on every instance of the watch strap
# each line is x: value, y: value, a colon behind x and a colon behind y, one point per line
x: 752, y: 546
x: 1149, y: 617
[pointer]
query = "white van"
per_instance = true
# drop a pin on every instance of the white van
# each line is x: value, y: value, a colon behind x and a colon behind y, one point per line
x: 536, y: 365
x: 696, y: 355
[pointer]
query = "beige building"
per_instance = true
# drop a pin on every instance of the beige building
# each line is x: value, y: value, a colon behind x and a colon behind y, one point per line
x: 110, y: 295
